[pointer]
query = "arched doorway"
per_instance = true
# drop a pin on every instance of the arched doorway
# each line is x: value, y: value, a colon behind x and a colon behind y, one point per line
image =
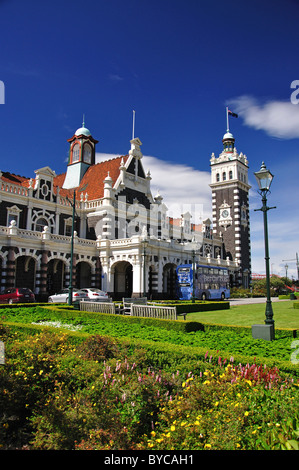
x: 25, y: 272
x: 169, y: 281
x: 123, y: 279
x: 55, y: 276
x: 83, y: 275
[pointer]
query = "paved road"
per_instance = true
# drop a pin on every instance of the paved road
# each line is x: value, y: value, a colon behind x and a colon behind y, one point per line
x: 256, y: 300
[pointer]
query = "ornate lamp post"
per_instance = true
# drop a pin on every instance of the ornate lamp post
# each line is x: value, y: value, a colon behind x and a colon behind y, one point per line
x: 145, y: 243
x: 264, y: 179
x: 70, y: 298
x: 193, y: 245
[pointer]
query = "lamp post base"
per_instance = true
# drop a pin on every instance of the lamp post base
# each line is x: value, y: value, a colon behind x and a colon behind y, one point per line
x: 266, y: 332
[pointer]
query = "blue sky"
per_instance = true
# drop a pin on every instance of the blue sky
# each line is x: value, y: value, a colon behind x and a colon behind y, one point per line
x: 178, y: 63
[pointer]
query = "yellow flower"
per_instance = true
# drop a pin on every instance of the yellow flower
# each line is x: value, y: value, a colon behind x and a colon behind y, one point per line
x: 172, y: 428
x: 153, y: 433
x: 246, y: 413
x: 207, y: 446
x: 150, y: 444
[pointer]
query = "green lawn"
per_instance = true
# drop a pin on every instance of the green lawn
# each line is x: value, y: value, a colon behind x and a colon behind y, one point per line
x: 285, y: 315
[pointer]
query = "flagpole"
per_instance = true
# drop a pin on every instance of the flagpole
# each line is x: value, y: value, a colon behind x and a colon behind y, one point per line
x: 133, y: 131
x: 227, y: 125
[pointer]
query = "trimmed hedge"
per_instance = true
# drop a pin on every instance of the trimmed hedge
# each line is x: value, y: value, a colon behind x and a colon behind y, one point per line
x: 197, y: 306
x: 176, y: 325
x: 169, y: 356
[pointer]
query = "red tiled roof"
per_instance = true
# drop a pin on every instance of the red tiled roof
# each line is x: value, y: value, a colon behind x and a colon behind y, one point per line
x: 15, y: 179
x: 92, y: 182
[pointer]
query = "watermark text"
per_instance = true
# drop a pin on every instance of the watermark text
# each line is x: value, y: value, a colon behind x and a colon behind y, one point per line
x: 2, y: 92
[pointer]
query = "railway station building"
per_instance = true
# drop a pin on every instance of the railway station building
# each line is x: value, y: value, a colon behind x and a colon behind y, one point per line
x: 124, y: 241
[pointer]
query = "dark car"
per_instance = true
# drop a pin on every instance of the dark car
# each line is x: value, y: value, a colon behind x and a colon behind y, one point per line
x: 17, y: 294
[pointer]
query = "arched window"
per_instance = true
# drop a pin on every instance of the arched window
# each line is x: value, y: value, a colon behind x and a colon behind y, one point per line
x: 230, y: 175
x: 87, y: 153
x: 76, y: 153
x: 40, y: 224
x: 217, y: 177
x: 224, y: 176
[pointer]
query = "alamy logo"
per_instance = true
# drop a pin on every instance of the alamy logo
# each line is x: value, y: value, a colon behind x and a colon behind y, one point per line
x: 2, y: 92
x: 294, y: 95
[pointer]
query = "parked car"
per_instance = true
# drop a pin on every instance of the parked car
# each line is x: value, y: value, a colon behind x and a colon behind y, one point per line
x: 63, y: 296
x: 95, y: 294
x: 17, y: 294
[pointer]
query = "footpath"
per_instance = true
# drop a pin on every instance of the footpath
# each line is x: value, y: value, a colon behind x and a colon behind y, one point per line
x: 255, y: 300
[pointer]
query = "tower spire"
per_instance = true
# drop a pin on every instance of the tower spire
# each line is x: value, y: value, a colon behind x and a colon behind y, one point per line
x: 83, y: 122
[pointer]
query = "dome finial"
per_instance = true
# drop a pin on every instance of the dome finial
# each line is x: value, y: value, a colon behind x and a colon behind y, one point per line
x: 83, y: 122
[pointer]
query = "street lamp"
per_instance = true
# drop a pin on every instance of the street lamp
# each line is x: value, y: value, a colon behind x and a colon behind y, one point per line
x: 144, y: 242
x: 264, y: 179
x: 193, y: 245
x: 193, y: 276
x: 286, y: 268
x: 70, y: 297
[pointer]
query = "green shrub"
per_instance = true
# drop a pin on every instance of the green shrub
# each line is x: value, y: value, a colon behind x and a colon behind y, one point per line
x: 187, y: 306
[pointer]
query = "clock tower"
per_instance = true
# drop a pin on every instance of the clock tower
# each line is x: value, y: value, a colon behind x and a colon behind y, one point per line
x: 230, y: 199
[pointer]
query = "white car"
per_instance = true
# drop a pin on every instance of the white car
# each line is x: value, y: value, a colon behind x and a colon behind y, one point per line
x: 95, y: 294
x: 63, y: 296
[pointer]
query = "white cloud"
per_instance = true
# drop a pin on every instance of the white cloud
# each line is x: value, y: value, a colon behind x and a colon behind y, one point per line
x: 277, y: 118
x: 182, y: 187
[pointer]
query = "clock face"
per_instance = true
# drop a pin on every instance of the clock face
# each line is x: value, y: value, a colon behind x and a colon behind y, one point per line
x: 225, y: 213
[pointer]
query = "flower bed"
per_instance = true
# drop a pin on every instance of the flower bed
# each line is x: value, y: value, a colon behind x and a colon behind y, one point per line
x: 64, y: 391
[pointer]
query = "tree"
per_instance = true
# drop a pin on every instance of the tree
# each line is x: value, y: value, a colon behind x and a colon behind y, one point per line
x: 277, y: 285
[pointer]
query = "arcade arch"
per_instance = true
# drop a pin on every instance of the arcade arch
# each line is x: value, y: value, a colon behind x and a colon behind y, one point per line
x: 169, y: 280
x: 123, y: 279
